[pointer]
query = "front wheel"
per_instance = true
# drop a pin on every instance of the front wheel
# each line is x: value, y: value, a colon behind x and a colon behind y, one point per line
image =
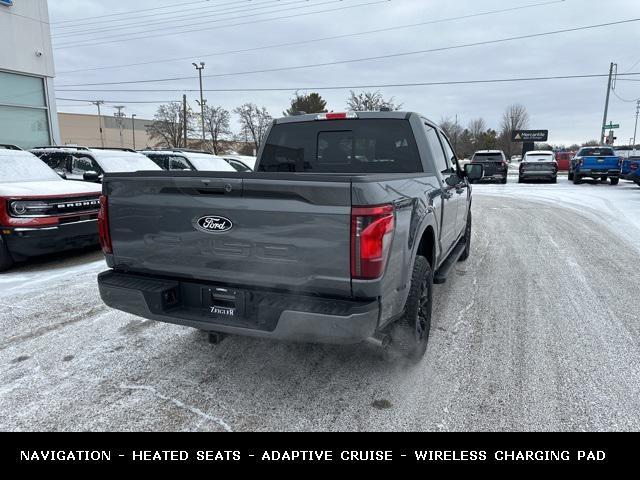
x: 410, y: 334
x: 504, y: 181
x: 614, y: 181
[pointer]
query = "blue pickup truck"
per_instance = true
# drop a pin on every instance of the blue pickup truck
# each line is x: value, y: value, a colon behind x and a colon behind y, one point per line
x: 599, y: 163
x: 630, y: 166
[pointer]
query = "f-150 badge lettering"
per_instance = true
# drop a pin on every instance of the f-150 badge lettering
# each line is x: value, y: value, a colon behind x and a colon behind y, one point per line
x: 212, y: 224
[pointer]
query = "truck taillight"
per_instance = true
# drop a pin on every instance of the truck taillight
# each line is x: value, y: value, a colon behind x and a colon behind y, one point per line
x: 337, y: 116
x: 372, y: 231
x: 633, y: 166
x: 103, y: 226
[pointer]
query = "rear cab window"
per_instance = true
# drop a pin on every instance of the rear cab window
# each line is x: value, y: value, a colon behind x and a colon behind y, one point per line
x: 342, y: 146
x: 487, y: 157
x: 596, y: 152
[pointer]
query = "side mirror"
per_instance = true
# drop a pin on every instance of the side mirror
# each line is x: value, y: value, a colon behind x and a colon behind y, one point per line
x: 90, y: 176
x: 474, y: 171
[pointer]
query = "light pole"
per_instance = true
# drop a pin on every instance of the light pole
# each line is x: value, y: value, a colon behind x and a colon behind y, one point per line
x: 133, y: 124
x: 119, y: 118
x: 200, y: 68
x: 635, y: 130
x: 97, y: 103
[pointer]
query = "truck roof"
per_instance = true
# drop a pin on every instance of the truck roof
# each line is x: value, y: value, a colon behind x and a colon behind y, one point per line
x: 311, y: 117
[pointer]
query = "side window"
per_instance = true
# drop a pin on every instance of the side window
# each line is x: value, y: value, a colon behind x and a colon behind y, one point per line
x: 80, y: 165
x: 160, y: 160
x: 448, y: 152
x: 436, y: 148
x: 178, y: 163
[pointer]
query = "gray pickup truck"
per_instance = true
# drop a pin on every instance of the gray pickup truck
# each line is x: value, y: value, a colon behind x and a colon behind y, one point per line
x: 337, y: 237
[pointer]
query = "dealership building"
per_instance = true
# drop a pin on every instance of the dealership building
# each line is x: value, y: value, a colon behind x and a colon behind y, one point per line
x: 27, y: 100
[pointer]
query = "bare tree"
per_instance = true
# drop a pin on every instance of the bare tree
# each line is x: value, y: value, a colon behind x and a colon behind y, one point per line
x: 167, y: 127
x: 254, y: 122
x: 370, y: 102
x: 218, y: 124
x: 453, y: 130
x: 515, y: 117
x: 477, y: 127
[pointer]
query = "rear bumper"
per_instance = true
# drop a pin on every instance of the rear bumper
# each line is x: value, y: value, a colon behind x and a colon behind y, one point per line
x: 31, y: 242
x: 598, y: 172
x: 289, y: 317
x: 539, y: 174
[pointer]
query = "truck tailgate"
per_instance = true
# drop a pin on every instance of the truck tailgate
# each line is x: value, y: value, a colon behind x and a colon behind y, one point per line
x: 600, y: 162
x: 291, y: 235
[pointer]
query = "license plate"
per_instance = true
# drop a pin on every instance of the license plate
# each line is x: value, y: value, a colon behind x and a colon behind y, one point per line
x: 223, y: 311
x: 224, y: 302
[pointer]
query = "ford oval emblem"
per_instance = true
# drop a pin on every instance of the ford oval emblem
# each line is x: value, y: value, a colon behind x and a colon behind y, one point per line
x: 213, y: 224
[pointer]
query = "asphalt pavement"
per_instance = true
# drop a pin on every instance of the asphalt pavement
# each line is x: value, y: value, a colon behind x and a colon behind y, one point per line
x: 536, y: 331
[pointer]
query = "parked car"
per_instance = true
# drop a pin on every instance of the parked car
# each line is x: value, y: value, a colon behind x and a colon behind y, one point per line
x: 597, y: 163
x: 629, y: 166
x: 90, y: 164
x: 336, y: 238
x: 494, y: 163
x: 188, y: 160
x: 40, y: 212
x: 563, y: 159
x: 634, y: 174
x: 538, y: 165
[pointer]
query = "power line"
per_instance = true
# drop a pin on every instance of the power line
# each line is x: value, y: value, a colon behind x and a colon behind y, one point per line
x: 304, y: 42
x: 172, y: 20
x: 170, y: 33
x: 129, y: 12
x: 343, y: 87
x: 362, y: 59
x: 151, y: 15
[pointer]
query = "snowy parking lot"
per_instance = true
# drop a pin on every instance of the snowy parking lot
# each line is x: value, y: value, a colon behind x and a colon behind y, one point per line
x: 537, y: 331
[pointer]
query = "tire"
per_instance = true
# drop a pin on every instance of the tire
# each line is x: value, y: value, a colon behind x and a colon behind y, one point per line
x: 520, y: 180
x: 554, y: 180
x: 410, y: 334
x: 614, y: 181
x: 576, y: 179
x: 570, y: 175
x: 504, y: 182
x: 6, y: 261
x: 467, y: 240
x: 603, y: 178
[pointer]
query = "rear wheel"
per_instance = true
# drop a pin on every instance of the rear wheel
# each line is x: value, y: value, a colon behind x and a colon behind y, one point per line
x: 410, y: 334
x: 467, y: 240
x: 520, y: 180
x: 570, y: 175
x: 577, y: 180
x: 614, y: 181
x: 504, y: 180
x: 6, y: 261
x: 604, y: 178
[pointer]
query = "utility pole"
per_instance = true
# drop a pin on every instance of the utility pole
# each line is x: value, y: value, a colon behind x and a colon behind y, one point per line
x: 635, y: 130
x: 98, y: 103
x: 200, y: 68
x: 133, y: 124
x: 184, y: 121
x: 606, y: 104
x: 119, y: 117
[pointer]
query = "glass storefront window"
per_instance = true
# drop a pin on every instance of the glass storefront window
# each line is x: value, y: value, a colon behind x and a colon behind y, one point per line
x: 24, y: 119
x: 21, y: 90
x: 24, y: 127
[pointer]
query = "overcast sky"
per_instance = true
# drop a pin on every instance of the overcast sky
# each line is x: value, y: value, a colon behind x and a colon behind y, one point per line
x: 571, y: 109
